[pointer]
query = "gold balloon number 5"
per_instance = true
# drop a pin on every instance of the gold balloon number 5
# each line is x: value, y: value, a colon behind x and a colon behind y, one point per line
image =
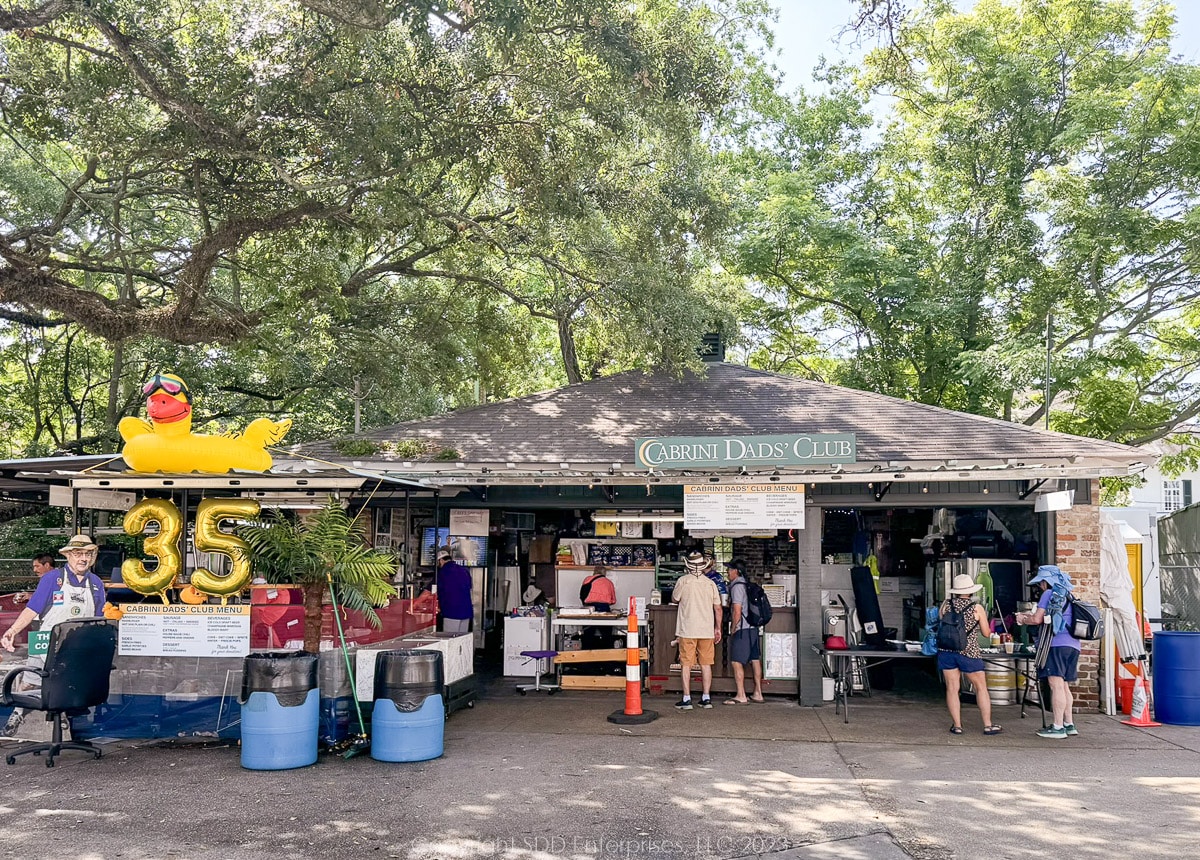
x: 164, y: 546
x: 209, y: 538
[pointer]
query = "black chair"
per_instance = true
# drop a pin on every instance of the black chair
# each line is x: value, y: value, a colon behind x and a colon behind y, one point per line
x: 79, y: 660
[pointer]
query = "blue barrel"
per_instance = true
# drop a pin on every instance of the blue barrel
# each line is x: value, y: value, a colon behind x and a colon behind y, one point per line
x: 408, y: 721
x: 280, y: 710
x: 1177, y: 678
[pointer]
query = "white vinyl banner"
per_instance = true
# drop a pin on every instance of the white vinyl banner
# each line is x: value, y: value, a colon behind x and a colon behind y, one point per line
x: 743, y: 506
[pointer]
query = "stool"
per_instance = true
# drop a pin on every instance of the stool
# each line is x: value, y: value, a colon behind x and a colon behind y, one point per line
x: 537, y: 686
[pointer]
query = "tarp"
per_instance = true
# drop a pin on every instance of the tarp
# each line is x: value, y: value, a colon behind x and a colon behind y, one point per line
x: 1116, y: 588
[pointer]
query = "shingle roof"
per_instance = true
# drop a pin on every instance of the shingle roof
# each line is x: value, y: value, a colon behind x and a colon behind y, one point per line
x: 598, y: 422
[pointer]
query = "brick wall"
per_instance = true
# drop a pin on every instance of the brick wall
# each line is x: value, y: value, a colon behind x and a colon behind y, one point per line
x: 1077, y: 553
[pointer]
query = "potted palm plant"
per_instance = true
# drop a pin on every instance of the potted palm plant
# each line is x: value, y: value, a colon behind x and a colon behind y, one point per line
x: 326, y: 548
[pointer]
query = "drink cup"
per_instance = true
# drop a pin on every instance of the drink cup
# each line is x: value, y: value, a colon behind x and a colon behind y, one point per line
x: 1008, y: 647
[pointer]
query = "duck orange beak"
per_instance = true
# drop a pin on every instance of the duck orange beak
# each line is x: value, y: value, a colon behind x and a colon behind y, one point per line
x: 166, y: 409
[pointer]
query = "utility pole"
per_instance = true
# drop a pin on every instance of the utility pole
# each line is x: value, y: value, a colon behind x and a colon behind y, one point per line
x: 1049, y: 351
x: 357, y: 406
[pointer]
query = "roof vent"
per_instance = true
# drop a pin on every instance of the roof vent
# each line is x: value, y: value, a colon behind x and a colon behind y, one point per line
x: 712, y: 347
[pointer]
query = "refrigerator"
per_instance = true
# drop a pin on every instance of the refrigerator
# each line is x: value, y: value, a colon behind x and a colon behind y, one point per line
x: 524, y: 634
x: 1008, y: 575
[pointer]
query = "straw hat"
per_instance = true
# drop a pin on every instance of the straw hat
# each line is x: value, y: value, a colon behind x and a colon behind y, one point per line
x: 963, y: 584
x: 443, y: 554
x: 695, y: 562
x: 78, y: 542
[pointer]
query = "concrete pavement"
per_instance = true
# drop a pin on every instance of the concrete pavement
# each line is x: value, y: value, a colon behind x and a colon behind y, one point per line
x: 539, y: 777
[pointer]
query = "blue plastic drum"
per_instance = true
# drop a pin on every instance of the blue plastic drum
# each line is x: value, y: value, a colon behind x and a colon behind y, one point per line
x: 398, y: 735
x: 1177, y: 678
x: 280, y: 710
x: 408, y: 721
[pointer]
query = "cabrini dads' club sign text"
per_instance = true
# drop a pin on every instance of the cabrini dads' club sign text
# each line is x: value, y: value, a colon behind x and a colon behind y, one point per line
x: 683, y: 452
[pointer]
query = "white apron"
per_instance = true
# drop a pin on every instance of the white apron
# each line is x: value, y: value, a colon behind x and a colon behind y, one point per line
x: 66, y: 604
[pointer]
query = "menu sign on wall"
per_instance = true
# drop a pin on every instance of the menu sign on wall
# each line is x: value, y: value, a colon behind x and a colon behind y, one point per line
x: 208, y: 630
x: 743, y: 506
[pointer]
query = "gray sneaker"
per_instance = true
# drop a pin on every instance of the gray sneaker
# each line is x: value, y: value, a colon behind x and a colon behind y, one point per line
x: 1051, y: 732
x: 14, y: 723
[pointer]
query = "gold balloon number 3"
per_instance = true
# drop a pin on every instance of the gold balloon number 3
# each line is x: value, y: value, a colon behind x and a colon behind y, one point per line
x: 164, y: 546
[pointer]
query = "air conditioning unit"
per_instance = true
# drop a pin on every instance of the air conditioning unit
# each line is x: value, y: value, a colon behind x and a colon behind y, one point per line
x: 518, y: 522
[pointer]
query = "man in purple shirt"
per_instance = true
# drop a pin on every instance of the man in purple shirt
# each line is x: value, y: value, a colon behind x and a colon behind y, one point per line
x: 454, y: 594
x: 61, y: 595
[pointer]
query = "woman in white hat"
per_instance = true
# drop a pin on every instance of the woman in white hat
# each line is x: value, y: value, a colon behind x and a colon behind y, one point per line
x: 62, y: 594
x: 967, y: 660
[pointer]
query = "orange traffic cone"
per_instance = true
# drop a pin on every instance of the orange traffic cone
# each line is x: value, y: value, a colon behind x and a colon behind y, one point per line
x: 633, y: 713
x: 1140, y: 715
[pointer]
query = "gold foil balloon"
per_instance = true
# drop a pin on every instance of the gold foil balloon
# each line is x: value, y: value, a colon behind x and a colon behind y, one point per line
x: 210, y: 538
x: 164, y: 546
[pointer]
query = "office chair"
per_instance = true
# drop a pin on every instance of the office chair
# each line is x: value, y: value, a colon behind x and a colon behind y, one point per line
x: 79, y: 660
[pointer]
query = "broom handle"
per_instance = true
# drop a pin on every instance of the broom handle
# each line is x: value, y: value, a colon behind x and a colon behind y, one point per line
x: 337, y: 617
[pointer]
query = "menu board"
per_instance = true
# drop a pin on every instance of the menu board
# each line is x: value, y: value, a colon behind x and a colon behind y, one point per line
x: 208, y: 630
x: 743, y: 506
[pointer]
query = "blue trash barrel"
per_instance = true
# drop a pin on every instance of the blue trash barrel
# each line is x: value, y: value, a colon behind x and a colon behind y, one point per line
x: 1177, y: 678
x: 279, y: 710
x: 408, y: 722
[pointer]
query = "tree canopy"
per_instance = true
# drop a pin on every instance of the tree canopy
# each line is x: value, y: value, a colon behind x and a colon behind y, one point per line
x: 1039, y: 161
x: 403, y: 184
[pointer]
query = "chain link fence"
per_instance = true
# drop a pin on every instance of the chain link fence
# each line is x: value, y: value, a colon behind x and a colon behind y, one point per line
x: 1180, y: 586
x: 16, y: 574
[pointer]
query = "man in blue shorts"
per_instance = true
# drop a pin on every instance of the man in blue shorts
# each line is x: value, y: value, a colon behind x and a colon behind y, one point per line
x: 745, y: 648
x: 1062, y: 662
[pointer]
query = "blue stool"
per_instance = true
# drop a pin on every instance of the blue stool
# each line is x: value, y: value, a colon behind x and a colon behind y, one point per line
x: 537, y: 686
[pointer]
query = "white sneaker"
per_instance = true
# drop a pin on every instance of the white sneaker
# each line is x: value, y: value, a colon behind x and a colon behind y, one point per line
x: 14, y: 723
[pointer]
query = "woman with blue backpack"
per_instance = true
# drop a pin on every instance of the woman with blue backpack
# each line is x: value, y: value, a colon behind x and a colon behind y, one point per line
x: 959, y: 654
x: 1056, y: 608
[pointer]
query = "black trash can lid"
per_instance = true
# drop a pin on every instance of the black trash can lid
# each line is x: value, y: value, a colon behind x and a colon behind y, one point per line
x: 278, y: 672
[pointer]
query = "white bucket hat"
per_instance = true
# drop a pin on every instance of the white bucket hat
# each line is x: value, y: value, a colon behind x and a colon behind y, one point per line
x: 695, y: 562
x: 963, y: 584
x: 78, y: 542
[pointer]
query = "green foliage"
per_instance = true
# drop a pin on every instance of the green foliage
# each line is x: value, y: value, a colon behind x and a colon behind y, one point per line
x: 356, y: 447
x: 24, y: 537
x: 447, y: 454
x: 1038, y: 159
x: 290, y: 204
x: 326, y: 546
x: 408, y: 448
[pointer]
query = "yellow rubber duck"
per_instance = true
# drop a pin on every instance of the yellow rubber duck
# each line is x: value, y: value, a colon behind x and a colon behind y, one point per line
x: 166, y: 442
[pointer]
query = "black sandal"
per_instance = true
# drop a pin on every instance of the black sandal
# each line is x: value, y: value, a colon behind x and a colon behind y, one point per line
x: 992, y: 730
x: 956, y: 730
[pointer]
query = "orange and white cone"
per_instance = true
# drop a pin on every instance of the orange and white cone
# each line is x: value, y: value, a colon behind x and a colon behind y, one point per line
x: 1140, y: 714
x: 633, y: 712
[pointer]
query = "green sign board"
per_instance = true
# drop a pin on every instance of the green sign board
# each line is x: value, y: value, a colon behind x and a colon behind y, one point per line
x: 39, y: 641
x: 686, y: 452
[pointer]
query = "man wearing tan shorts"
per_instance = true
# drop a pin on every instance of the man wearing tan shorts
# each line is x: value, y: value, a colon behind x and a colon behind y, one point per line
x: 697, y: 627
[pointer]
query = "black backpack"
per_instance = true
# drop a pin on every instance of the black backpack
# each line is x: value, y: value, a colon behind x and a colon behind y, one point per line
x: 586, y: 589
x: 758, y: 607
x: 952, y: 629
x: 1085, y: 620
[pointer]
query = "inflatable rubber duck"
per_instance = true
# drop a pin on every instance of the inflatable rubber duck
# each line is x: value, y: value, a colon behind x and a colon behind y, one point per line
x: 166, y: 442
